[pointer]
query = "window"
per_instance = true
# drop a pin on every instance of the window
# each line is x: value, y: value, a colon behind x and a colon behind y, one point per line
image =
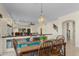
x: 9, y: 43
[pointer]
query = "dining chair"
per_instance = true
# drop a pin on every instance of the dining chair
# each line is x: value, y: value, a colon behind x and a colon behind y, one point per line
x: 60, y: 37
x: 45, y: 48
x: 58, y: 47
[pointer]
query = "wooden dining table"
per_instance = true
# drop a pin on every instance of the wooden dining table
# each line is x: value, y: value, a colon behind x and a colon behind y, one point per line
x: 28, y: 49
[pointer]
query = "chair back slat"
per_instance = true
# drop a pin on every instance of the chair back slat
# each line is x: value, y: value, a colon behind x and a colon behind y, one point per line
x: 45, y: 48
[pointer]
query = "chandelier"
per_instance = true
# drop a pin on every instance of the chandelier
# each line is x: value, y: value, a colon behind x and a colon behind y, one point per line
x: 41, y: 19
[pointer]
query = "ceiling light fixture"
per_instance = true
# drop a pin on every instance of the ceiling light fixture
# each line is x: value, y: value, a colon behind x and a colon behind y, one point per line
x: 41, y: 19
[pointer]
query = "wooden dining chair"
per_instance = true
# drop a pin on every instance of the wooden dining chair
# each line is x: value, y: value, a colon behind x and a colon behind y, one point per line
x: 61, y: 40
x: 60, y: 37
x: 45, y: 48
x: 58, y: 47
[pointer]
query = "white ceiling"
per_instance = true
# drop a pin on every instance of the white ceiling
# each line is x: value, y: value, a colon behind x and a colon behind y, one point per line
x: 31, y: 11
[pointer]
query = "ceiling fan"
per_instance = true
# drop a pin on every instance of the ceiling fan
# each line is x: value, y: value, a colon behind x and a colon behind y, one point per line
x: 31, y: 23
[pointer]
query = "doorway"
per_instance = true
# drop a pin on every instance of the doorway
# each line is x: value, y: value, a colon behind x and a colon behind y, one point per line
x: 68, y: 28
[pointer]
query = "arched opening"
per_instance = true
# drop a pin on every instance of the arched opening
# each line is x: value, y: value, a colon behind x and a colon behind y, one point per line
x: 68, y: 29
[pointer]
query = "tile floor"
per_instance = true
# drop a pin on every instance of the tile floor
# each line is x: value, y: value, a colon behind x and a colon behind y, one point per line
x: 71, y: 50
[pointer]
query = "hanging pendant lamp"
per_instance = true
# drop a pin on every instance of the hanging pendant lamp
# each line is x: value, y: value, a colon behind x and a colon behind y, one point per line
x: 41, y: 20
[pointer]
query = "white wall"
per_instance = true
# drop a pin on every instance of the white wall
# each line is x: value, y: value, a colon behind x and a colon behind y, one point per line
x: 72, y: 16
x: 50, y: 30
x: 3, y: 26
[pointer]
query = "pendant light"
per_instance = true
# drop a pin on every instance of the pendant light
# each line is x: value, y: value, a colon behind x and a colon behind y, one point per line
x: 41, y: 20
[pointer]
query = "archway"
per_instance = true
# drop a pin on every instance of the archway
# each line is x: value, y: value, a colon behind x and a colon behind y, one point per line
x: 68, y: 30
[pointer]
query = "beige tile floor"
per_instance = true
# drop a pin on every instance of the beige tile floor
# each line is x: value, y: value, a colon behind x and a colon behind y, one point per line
x: 71, y: 50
